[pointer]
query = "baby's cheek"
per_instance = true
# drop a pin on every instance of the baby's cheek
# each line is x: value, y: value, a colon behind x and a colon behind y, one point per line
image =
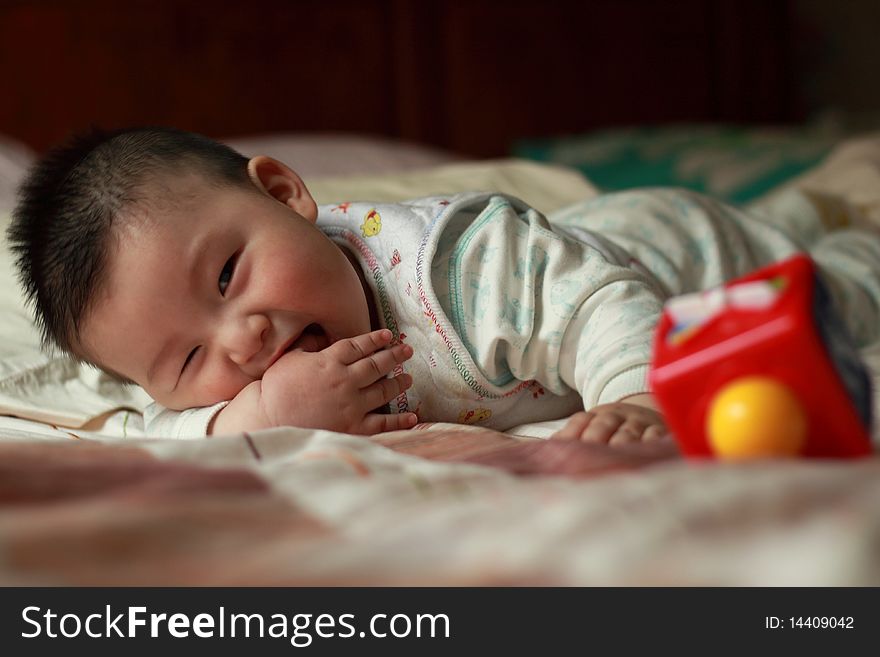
x: 220, y: 387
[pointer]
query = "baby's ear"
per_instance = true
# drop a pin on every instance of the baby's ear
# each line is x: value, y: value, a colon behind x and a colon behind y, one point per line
x: 283, y: 184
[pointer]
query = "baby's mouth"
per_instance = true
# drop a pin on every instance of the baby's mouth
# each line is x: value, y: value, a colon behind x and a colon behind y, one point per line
x: 313, y: 338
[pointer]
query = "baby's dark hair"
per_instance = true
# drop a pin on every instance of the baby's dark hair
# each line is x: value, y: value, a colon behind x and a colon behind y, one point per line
x: 72, y: 200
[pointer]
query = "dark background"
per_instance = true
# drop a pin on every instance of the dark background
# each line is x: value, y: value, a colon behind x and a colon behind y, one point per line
x: 471, y: 76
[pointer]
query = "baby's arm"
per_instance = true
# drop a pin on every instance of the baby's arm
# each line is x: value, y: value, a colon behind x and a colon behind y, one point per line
x: 605, y: 355
x: 574, y: 311
x: 338, y: 389
x: 631, y: 419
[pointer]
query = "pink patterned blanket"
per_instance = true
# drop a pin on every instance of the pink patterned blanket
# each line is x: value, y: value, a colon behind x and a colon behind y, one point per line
x: 442, y: 506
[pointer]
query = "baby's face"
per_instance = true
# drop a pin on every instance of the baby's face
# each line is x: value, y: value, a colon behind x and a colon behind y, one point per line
x: 201, y: 300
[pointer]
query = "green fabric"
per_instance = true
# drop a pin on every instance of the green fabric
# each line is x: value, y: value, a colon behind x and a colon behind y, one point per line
x: 730, y: 162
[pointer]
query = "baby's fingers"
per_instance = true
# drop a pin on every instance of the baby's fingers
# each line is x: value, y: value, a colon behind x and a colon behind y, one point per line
x: 384, y: 390
x: 351, y: 350
x: 655, y: 432
x: 574, y: 426
x: 602, y: 427
x: 379, y: 422
x: 377, y: 365
x: 630, y: 431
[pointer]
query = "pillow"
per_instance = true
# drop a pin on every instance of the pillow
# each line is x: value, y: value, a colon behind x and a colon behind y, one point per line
x: 314, y: 155
x: 54, y: 389
x: 39, y: 386
x: 546, y: 187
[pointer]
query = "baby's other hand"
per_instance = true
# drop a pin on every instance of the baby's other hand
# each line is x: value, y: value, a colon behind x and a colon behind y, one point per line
x: 614, y: 424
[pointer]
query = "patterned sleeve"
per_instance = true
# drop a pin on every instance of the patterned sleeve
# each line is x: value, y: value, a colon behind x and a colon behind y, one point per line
x: 531, y: 302
x: 161, y: 422
x: 606, y: 350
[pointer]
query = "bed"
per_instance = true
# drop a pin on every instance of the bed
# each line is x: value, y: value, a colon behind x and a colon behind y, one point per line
x: 87, y: 499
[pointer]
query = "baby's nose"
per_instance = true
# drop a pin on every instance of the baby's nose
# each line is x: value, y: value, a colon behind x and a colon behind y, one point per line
x: 245, y: 339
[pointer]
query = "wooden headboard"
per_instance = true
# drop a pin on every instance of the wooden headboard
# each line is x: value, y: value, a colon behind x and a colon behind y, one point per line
x: 467, y: 75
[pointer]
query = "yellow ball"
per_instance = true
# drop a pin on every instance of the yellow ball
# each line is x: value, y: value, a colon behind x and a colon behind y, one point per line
x: 755, y: 417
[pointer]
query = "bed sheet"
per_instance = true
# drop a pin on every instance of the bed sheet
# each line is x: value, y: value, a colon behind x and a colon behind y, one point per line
x: 440, y: 506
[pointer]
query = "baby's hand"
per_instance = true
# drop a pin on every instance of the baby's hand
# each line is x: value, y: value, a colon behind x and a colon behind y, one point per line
x: 340, y: 387
x: 620, y: 422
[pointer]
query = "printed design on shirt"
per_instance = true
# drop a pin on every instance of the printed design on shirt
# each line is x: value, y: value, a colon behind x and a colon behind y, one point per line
x: 472, y: 379
x: 372, y: 223
x: 552, y: 338
x: 474, y: 415
x: 533, y: 266
x: 486, y: 254
x: 342, y: 207
x: 565, y: 296
x: 515, y: 314
x: 690, y: 243
x: 480, y: 289
x: 388, y: 317
x: 394, y: 261
x: 497, y: 207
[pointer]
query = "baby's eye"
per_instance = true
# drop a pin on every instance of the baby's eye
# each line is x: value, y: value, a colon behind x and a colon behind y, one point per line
x: 189, y: 358
x: 226, y: 275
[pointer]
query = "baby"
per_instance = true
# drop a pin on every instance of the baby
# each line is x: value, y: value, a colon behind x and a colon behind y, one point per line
x: 215, y: 282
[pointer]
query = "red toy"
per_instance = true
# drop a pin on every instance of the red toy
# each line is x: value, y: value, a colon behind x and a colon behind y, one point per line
x: 762, y: 367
